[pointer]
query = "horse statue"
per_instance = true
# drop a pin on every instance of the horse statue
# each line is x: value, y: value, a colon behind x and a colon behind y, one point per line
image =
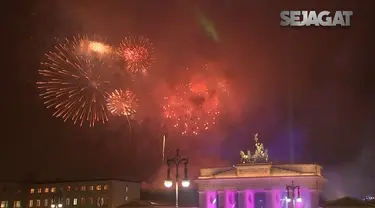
x: 260, y: 154
x: 245, y: 158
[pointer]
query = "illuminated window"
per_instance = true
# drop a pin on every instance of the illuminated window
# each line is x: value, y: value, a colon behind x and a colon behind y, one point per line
x: 98, y: 187
x: 16, y: 204
x: 4, y: 204
x: 105, y: 187
x: 83, y: 188
x: 91, y: 188
x: 75, y: 201
x: 46, y: 202
x: 38, y: 203
x: 68, y: 188
x: 106, y: 201
x: 46, y: 190
x: 39, y: 190
x: 126, y: 188
x: 126, y: 198
x: 91, y: 201
x: 53, y: 189
x: 82, y: 201
x: 32, y: 191
x: 31, y: 203
x: 100, y: 201
x: 67, y: 201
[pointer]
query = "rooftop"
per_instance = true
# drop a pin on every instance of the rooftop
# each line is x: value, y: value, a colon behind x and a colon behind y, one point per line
x: 84, y: 180
x: 261, y: 170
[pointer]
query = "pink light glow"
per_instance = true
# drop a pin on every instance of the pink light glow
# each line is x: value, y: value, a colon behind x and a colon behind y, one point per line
x: 276, y: 198
x: 246, y: 199
x: 230, y: 199
x: 305, y: 196
x: 211, y: 199
x: 249, y: 199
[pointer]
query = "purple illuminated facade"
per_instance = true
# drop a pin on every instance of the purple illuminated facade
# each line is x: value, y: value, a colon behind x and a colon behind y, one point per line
x: 260, y: 186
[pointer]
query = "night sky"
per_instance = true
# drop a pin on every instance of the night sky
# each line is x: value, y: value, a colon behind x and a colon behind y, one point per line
x: 313, y: 84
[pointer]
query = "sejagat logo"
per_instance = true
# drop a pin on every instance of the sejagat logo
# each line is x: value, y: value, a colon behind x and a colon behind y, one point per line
x: 313, y: 18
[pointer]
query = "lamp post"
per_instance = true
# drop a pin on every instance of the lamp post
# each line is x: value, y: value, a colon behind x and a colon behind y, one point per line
x: 177, y: 160
x: 292, y: 197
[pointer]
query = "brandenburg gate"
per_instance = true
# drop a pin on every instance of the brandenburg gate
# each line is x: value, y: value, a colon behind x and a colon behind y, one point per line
x: 257, y: 183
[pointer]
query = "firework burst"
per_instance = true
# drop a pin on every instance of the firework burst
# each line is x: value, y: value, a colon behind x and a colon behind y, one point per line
x: 72, y: 84
x: 93, y: 47
x: 192, y: 109
x: 137, y: 52
x: 122, y: 103
x: 211, y: 77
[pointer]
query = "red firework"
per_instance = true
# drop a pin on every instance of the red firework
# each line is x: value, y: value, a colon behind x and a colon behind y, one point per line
x: 193, y: 108
x: 137, y: 52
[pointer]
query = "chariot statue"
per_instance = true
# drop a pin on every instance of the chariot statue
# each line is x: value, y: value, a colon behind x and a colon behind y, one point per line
x: 245, y: 158
x: 260, y: 154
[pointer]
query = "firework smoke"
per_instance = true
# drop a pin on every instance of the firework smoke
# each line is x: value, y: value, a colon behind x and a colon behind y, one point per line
x: 163, y: 150
x: 192, y: 109
x: 195, y: 164
x: 195, y: 107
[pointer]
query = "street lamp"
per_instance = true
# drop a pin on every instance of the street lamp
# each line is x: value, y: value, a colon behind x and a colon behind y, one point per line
x: 177, y: 160
x: 56, y: 205
x: 293, y: 188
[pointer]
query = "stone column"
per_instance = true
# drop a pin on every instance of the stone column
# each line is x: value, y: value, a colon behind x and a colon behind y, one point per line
x: 241, y: 199
x: 211, y: 199
x: 229, y: 198
x: 221, y: 199
x: 314, y: 198
x: 298, y: 203
x: 246, y: 199
x: 202, y: 199
x: 273, y: 198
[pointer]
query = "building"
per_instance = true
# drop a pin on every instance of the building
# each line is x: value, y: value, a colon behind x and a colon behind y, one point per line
x: 148, y: 204
x: 348, y: 202
x: 89, y: 193
x: 12, y: 194
x: 257, y: 183
x: 369, y: 199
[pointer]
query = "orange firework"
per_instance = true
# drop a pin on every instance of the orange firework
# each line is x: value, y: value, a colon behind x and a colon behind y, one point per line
x: 194, y: 108
x: 122, y: 103
x: 94, y: 47
x: 137, y: 52
x: 72, y: 84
